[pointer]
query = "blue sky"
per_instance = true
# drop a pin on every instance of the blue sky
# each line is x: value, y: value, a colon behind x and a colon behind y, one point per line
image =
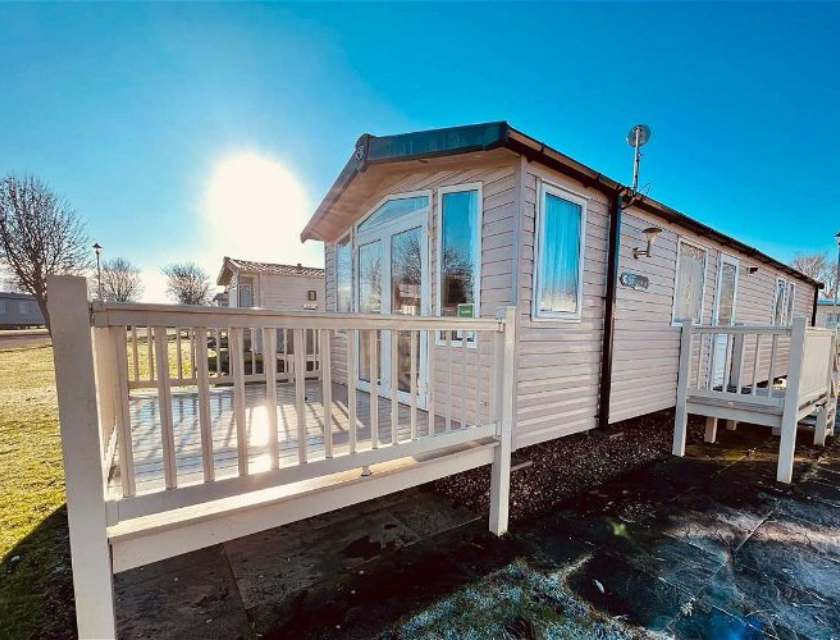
x: 131, y: 111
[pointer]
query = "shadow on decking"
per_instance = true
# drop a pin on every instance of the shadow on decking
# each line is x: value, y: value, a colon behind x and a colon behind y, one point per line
x: 148, y: 448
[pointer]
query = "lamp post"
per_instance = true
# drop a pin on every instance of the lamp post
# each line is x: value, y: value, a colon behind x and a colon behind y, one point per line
x: 836, y: 279
x: 98, y: 249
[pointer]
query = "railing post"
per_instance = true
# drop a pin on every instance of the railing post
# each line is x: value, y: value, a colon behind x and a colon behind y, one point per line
x: 504, y: 352
x: 681, y: 415
x: 80, y: 439
x: 784, y: 472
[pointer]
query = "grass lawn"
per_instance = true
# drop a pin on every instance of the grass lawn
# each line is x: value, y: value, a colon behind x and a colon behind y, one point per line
x: 36, y: 593
x: 36, y: 587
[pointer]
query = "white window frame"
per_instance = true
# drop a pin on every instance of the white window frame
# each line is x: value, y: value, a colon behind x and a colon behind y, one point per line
x: 442, y: 191
x: 547, y: 188
x: 680, y: 242
x: 23, y: 307
x: 393, y: 196
x: 2, y: 307
x: 782, y: 319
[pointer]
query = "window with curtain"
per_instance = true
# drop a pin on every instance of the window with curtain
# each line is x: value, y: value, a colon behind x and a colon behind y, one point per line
x: 458, y: 268
x: 557, y: 277
x: 779, y: 302
x: 343, y: 275
x: 690, y: 284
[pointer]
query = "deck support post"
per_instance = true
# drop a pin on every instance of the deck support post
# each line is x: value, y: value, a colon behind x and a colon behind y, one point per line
x: 787, y: 446
x: 681, y: 415
x: 731, y: 425
x: 82, y: 451
x: 821, y: 426
x: 504, y: 352
x: 711, y: 429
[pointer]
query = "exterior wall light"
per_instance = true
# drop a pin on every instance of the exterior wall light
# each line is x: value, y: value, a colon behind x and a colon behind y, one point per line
x: 650, y: 234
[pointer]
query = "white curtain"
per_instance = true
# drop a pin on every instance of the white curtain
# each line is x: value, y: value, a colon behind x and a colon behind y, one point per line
x: 691, y: 278
x: 559, y: 256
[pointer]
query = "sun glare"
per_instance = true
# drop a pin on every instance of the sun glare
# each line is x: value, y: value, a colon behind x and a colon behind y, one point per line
x: 255, y: 208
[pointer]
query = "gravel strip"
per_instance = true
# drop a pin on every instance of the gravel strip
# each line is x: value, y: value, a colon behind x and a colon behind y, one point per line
x: 549, y: 473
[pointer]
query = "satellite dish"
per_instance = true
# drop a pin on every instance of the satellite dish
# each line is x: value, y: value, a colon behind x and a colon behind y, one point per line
x: 638, y: 135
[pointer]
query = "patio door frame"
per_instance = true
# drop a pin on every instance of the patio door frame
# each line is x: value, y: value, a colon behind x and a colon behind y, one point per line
x: 384, y: 234
x: 720, y: 344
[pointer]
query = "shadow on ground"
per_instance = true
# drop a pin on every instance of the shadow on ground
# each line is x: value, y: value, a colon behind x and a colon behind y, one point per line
x: 706, y: 546
x: 36, y: 578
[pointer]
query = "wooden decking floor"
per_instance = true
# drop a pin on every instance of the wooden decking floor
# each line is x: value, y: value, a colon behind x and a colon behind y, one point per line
x: 148, y: 448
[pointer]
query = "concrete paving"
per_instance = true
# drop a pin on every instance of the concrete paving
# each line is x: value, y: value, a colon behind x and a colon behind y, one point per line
x: 706, y: 546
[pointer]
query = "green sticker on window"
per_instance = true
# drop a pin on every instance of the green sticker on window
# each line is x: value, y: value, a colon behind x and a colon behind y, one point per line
x: 466, y: 310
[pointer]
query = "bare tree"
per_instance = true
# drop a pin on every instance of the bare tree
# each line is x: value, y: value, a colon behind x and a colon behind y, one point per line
x: 121, y: 280
x: 820, y: 267
x: 187, y: 283
x: 40, y: 234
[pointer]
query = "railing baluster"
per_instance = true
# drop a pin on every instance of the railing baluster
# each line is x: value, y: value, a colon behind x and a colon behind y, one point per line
x: 756, y: 361
x: 191, y: 335
x: 218, y: 335
x: 299, y: 346
x: 178, y: 357
x: 431, y: 337
x: 448, y: 427
x: 125, y: 444
x: 771, y: 372
x: 464, y: 379
x: 286, y: 355
x: 478, y: 420
x: 135, y: 360
x: 165, y: 401
x: 236, y: 362
x: 727, y: 363
x: 149, y: 349
x: 713, y: 347
x: 325, y: 365
x: 373, y: 350
x: 699, y: 377
x: 270, y: 370
x: 205, y: 425
x: 253, y: 334
x: 413, y: 383
x: 352, y: 376
x: 395, y: 399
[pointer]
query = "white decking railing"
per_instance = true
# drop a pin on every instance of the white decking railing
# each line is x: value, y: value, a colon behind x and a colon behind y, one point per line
x: 186, y: 426
x: 732, y: 372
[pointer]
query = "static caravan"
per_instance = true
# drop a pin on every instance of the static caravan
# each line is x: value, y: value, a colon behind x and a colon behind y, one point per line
x: 467, y: 220
x: 827, y: 315
x: 19, y: 310
x: 271, y: 285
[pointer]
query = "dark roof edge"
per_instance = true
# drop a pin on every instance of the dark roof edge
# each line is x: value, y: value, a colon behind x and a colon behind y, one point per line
x: 371, y: 150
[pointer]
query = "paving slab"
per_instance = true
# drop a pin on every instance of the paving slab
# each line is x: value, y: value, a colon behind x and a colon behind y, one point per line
x: 621, y: 590
x: 771, y: 606
x: 699, y: 620
x: 193, y: 596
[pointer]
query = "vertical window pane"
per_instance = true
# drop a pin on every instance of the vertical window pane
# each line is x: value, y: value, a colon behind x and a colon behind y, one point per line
x: 559, y: 256
x: 728, y: 284
x: 791, y: 298
x: 779, y: 302
x: 458, y: 268
x: 691, y: 277
x: 343, y: 275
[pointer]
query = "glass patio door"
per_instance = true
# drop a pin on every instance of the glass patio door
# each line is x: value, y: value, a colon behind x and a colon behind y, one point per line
x: 727, y: 291
x: 392, y: 277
